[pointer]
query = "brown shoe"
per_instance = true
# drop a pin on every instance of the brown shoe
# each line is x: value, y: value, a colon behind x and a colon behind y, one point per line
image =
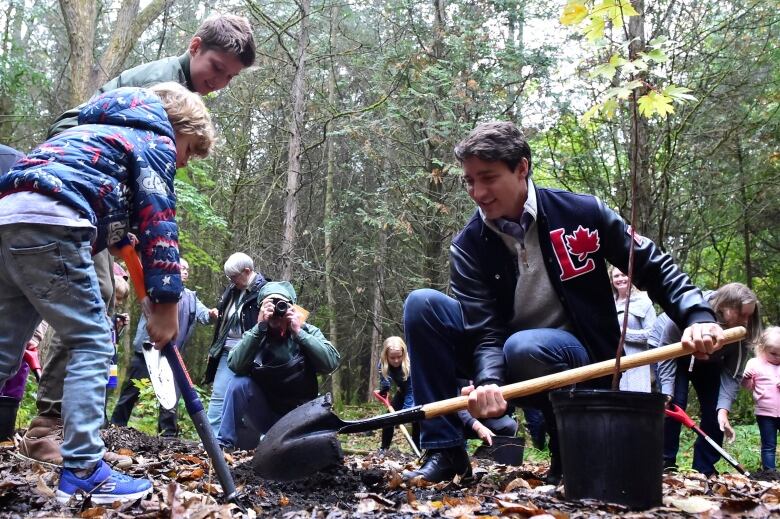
x: 42, y: 440
x: 42, y: 443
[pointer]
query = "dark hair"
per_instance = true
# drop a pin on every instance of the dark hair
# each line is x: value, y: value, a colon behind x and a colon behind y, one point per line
x: 493, y: 141
x: 228, y: 33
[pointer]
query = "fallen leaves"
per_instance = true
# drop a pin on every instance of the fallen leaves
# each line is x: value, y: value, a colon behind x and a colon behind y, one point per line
x: 370, y: 485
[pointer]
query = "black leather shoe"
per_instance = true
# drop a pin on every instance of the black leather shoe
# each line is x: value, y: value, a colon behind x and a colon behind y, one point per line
x: 442, y: 465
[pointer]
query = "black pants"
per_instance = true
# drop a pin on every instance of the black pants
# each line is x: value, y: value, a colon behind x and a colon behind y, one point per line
x: 387, y: 432
x: 166, y: 421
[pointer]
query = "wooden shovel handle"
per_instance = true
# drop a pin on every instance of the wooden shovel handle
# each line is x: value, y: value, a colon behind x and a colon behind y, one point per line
x: 581, y: 374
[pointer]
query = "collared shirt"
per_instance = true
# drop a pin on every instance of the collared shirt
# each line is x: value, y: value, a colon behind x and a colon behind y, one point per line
x: 536, y: 303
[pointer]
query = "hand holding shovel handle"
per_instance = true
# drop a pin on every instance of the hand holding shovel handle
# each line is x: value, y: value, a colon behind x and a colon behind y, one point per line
x: 581, y: 374
x: 389, y: 407
x: 183, y: 381
x: 678, y: 414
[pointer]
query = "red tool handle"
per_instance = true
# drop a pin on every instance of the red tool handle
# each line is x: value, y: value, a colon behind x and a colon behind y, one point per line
x: 385, y: 400
x: 133, y: 265
x: 32, y: 360
x: 677, y: 413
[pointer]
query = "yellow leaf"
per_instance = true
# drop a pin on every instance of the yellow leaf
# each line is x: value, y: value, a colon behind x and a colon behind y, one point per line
x: 610, y: 107
x: 595, y: 29
x: 590, y: 114
x: 573, y: 13
x: 628, y: 9
x: 655, y: 103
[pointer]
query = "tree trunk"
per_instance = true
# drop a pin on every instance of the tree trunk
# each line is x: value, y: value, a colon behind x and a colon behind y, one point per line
x: 295, y: 147
x: 128, y: 28
x: 330, y: 291
x: 432, y: 262
x: 744, y: 217
x: 639, y: 158
x: 79, y: 17
x: 376, y: 312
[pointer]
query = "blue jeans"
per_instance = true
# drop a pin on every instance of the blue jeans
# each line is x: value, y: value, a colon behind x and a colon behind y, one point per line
x: 46, y: 272
x: 245, y: 398
x: 222, y: 380
x: 441, y: 352
x: 768, y: 427
x: 705, y: 378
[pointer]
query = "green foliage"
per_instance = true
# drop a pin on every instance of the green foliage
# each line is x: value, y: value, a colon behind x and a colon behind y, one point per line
x: 146, y: 410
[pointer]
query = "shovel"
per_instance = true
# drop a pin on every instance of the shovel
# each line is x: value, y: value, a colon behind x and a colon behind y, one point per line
x: 676, y: 413
x: 182, y: 378
x: 389, y: 407
x: 305, y: 441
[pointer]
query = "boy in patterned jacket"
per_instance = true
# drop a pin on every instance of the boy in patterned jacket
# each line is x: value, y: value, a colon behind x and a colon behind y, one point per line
x: 76, y: 194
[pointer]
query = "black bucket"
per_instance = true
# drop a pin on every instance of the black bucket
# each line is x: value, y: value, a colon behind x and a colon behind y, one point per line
x: 611, y: 445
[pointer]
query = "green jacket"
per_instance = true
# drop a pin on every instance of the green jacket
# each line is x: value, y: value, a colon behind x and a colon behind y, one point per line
x: 174, y: 68
x: 273, y: 350
x: 279, y: 350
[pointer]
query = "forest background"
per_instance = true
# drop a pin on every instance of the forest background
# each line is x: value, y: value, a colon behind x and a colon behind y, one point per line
x: 335, y: 169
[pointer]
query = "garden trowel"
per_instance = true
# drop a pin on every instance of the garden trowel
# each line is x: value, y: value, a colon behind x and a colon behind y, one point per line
x: 161, y: 376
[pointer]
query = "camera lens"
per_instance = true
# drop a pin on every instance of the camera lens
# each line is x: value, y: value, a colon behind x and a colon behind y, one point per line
x: 280, y: 308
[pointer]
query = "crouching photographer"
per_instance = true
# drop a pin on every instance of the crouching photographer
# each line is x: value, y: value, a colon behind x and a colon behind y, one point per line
x: 276, y: 364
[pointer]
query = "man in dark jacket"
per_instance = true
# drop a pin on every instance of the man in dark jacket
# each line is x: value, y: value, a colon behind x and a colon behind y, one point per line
x: 221, y: 48
x: 238, y: 310
x: 532, y: 295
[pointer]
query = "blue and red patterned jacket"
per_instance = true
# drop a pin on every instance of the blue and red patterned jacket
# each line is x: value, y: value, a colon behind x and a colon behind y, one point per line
x: 577, y: 235
x: 116, y: 169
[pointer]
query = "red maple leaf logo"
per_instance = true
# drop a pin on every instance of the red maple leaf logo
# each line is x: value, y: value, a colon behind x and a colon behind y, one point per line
x: 582, y: 242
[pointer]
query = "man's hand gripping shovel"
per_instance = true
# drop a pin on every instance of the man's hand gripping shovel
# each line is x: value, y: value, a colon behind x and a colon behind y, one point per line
x: 179, y: 374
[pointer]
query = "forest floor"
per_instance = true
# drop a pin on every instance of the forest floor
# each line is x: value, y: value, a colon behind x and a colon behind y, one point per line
x: 366, y: 485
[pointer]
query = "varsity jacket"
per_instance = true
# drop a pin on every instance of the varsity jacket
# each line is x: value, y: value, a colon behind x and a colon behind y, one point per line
x: 577, y: 235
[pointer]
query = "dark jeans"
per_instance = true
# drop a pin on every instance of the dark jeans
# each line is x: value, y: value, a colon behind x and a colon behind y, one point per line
x: 768, y: 427
x: 387, y: 432
x: 440, y: 349
x: 166, y: 420
x: 245, y: 399
x: 705, y: 378
x: 536, y: 425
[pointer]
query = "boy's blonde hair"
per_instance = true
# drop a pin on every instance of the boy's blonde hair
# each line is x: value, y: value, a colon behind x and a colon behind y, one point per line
x: 187, y: 114
x: 394, y: 343
x: 763, y: 341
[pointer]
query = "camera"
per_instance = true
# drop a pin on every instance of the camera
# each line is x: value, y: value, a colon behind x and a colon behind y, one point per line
x: 280, y: 307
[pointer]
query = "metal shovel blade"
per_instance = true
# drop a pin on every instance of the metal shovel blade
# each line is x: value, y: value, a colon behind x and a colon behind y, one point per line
x: 161, y: 376
x: 301, y: 443
x: 304, y: 440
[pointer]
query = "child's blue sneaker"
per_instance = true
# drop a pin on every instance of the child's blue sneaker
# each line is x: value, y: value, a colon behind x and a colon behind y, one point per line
x: 104, y: 486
